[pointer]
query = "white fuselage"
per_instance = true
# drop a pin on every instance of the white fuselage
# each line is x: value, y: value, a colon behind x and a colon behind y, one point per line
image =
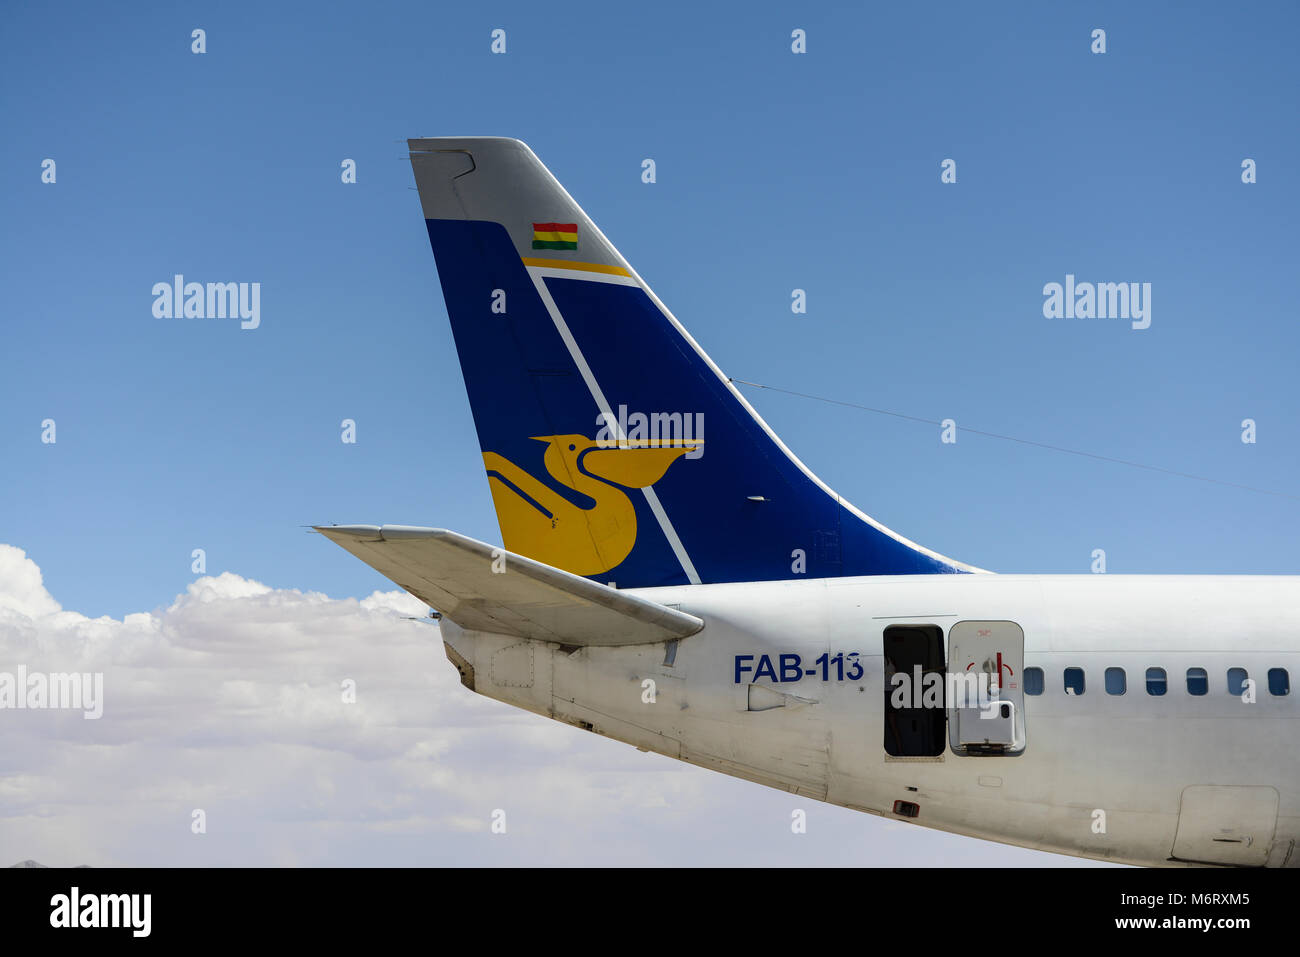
x: 1118, y: 777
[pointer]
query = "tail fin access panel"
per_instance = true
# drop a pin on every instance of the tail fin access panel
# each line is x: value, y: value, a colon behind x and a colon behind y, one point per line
x: 614, y: 447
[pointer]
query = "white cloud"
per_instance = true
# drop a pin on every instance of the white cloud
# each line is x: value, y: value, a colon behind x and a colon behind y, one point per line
x: 24, y: 589
x: 230, y: 700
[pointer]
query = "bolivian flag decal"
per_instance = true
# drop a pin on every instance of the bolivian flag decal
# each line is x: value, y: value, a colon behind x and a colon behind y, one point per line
x: 555, y: 235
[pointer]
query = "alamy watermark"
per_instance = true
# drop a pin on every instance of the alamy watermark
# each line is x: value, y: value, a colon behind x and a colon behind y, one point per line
x: 179, y: 299
x: 932, y: 689
x: 128, y: 911
x: 77, y: 691
x: 655, y: 430
x: 1102, y: 300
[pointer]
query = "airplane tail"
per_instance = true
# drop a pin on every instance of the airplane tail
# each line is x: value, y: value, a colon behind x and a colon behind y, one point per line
x: 614, y: 448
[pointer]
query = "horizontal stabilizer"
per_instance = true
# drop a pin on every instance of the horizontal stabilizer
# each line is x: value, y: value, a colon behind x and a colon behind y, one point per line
x: 484, y: 588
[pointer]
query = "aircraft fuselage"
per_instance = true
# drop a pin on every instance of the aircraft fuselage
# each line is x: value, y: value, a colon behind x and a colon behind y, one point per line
x: 786, y: 686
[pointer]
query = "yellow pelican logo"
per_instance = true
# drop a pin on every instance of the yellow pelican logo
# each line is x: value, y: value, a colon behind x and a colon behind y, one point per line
x: 540, y: 523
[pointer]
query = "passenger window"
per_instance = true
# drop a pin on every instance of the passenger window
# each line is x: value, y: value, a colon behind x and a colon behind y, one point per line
x: 1237, y: 681
x: 1157, y: 682
x: 1074, y: 681
x: 1034, y: 680
x: 1197, y: 682
x: 1116, y: 681
x: 1279, y: 682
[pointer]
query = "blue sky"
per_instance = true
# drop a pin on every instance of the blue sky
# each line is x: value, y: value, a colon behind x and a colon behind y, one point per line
x: 775, y: 171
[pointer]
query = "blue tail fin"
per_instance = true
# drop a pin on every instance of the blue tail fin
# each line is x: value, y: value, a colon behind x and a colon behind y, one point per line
x: 614, y: 447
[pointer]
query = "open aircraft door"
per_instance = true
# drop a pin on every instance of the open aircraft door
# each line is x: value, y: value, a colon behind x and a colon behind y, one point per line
x: 986, y: 688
